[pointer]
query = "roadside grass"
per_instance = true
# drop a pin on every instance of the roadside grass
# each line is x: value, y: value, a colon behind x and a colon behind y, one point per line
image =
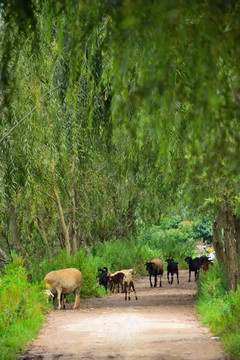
x: 220, y: 310
x: 22, y: 310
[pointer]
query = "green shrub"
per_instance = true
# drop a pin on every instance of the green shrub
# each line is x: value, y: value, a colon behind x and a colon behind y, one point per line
x: 124, y: 254
x: 203, y: 229
x: 87, y: 264
x: 175, y: 243
x: 169, y: 222
x: 22, y: 308
x: 219, y: 309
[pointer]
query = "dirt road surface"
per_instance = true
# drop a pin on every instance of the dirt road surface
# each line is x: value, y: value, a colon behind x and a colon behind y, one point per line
x: 160, y: 325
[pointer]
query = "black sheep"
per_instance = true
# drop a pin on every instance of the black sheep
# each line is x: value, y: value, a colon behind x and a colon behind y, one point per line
x: 172, y: 269
x: 193, y: 265
x: 203, y: 259
x: 103, y: 276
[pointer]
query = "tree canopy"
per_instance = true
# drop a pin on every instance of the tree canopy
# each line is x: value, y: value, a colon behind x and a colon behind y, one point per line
x: 133, y: 106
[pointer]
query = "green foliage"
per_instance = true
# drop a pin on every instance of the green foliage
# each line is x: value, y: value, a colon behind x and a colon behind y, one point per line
x: 22, y: 308
x: 220, y: 310
x: 203, y: 229
x: 175, y: 243
x: 169, y: 222
x: 125, y: 254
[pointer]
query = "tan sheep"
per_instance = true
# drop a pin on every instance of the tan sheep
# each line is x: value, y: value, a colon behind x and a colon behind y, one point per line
x: 63, y: 282
x: 128, y: 283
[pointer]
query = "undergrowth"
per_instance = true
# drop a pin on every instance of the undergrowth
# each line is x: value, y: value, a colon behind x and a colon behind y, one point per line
x: 22, y: 309
x: 220, y: 310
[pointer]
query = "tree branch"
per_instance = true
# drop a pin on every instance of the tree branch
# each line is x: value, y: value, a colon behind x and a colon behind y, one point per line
x: 20, y: 121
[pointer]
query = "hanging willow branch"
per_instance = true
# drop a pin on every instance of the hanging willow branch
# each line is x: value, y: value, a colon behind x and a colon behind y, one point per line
x: 21, y: 121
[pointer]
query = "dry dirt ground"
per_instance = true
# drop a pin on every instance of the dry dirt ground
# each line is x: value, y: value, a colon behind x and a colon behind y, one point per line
x: 162, y: 324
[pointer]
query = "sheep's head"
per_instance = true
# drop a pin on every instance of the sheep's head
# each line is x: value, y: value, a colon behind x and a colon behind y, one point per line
x: 48, y: 294
x: 169, y: 260
x: 188, y: 259
x: 103, y: 278
x: 133, y: 272
x: 149, y: 265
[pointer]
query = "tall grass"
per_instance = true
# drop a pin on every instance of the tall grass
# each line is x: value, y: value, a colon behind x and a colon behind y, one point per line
x: 86, y: 263
x: 175, y: 243
x: 22, y: 309
x: 220, y: 310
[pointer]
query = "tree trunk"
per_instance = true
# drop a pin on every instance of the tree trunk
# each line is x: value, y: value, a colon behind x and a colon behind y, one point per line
x: 217, y: 239
x: 43, y: 233
x: 63, y: 224
x: 14, y: 229
x: 74, y: 227
x: 8, y: 245
x: 3, y: 256
x: 72, y: 197
x: 237, y: 234
x: 15, y: 239
x: 231, y: 247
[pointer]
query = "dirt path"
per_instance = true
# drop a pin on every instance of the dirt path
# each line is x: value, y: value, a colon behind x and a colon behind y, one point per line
x: 161, y: 324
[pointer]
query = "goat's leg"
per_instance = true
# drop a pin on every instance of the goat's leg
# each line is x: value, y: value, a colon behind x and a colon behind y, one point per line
x: 150, y: 279
x: 59, y: 291
x: 77, y: 300
x: 171, y: 278
x: 155, y: 280
x: 63, y: 301
x: 196, y: 275
x: 168, y: 277
x: 132, y: 284
x: 177, y: 278
x: 125, y: 290
x: 189, y: 276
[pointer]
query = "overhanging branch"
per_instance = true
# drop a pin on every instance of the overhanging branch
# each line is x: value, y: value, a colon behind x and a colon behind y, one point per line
x: 21, y: 121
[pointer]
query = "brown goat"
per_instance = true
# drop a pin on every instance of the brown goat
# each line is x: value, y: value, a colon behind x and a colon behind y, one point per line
x: 154, y: 268
x: 116, y: 279
x: 205, y: 266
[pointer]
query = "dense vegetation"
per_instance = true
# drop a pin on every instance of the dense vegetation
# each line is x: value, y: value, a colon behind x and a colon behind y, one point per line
x: 114, y: 116
x: 220, y: 310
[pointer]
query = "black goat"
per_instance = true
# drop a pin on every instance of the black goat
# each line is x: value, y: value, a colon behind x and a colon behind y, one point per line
x: 193, y: 265
x: 103, y: 276
x: 172, y: 269
x: 203, y: 259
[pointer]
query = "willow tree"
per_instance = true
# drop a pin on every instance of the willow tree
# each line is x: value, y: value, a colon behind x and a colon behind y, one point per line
x: 170, y: 72
x: 80, y: 179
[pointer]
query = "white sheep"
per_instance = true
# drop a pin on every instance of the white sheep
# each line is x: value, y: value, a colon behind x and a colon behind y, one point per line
x: 128, y: 283
x: 64, y: 282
